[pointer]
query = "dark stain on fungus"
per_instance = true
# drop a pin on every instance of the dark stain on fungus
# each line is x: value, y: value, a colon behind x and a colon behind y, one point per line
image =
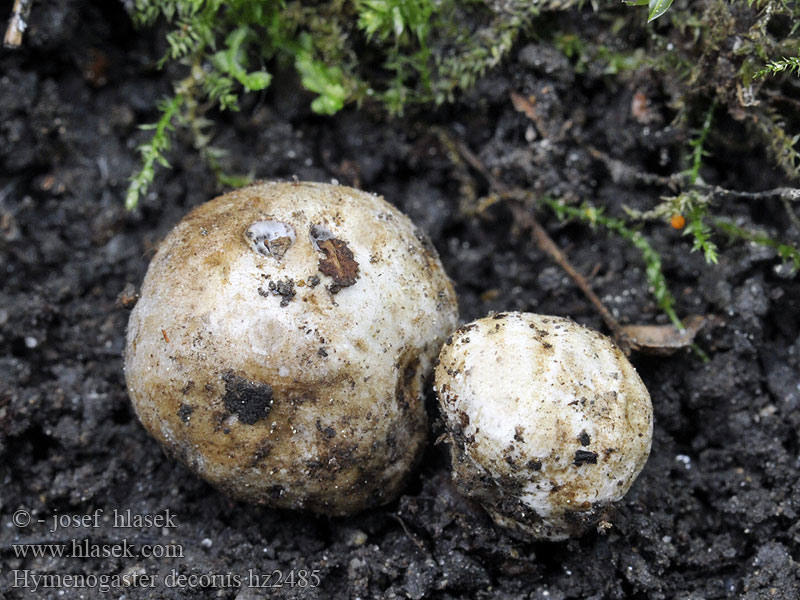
x: 535, y: 465
x: 262, y: 451
x: 583, y: 457
x: 249, y: 400
x: 407, y: 389
x: 466, y: 328
x: 185, y: 412
x: 327, y: 431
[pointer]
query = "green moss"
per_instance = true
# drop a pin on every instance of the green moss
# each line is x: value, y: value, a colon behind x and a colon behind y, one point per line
x: 153, y: 152
x: 788, y: 253
x: 715, y: 56
x: 594, y: 217
x: 410, y: 52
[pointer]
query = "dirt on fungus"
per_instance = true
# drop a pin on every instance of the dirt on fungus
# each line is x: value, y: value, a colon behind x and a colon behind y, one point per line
x: 714, y: 513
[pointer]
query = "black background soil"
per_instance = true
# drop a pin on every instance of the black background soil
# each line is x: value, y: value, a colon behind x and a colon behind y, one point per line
x: 713, y: 515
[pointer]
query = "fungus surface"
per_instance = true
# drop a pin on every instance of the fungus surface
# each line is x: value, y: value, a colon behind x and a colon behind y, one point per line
x: 548, y: 422
x: 281, y: 342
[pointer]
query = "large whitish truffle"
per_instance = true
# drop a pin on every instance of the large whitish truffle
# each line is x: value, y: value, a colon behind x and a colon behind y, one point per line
x: 281, y: 342
x: 547, y: 421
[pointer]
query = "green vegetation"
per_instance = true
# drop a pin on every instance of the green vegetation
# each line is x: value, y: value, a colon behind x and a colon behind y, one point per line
x: 593, y: 216
x: 655, y: 8
x: 411, y: 52
x: 718, y: 61
x: 692, y: 204
x: 773, y: 67
x: 730, y: 80
x: 152, y: 153
x: 788, y: 253
x: 402, y: 53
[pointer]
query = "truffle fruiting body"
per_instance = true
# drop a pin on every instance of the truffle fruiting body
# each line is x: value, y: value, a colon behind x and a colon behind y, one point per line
x: 547, y: 420
x: 281, y: 342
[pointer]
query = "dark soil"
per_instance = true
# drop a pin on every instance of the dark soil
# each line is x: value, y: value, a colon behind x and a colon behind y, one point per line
x: 713, y: 515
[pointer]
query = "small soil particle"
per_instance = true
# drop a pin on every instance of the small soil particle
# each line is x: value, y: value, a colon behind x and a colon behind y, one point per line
x: 339, y: 263
x: 584, y: 457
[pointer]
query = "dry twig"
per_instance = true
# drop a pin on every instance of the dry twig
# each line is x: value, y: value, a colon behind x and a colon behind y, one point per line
x: 543, y: 240
x: 719, y: 193
x: 18, y: 23
x: 625, y: 174
x: 410, y: 535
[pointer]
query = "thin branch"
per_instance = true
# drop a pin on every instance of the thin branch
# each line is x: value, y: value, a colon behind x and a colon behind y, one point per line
x: 545, y: 242
x: 623, y: 173
x: 786, y: 195
x: 626, y: 174
x: 547, y: 245
x: 782, y: 193
x: 787, y: 206
x: 782, y: 98
x: 410, y: 535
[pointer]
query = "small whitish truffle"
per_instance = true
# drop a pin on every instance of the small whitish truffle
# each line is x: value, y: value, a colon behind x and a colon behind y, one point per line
x: 281, y: 342
x: 547, y: 421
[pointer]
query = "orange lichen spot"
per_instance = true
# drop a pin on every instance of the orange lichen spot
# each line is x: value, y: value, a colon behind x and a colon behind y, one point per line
x: 677, y: 222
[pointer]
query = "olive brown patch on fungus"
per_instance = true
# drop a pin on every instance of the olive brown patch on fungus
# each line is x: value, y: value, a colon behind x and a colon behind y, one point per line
x: 295, y: 403
x: 530, y: 422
